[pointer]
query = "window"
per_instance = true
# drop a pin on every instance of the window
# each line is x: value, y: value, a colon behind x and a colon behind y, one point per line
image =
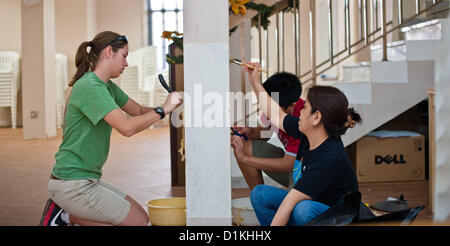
x: 163, y: 15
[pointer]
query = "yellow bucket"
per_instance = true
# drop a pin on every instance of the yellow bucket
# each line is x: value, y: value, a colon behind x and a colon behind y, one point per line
x: 167, y: 211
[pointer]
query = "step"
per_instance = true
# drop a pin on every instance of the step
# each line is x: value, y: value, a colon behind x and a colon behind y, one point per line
x: 391, y: 99
x: 396, y: 51
x: 377, y: 71
x: 428, y: 30
x: 389, y: 72
x: 408, y: 50
x: 402, y: 71
x: 359, y: 72
x: 356, y: 92
x: 238, y: 182
x: 440, y: 10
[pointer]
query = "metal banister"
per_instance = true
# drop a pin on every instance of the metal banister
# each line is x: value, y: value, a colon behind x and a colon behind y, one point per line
x: 368, y: 35
x: 368, y: 9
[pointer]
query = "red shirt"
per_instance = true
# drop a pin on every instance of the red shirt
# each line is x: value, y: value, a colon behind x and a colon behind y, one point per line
x: 290, y: 144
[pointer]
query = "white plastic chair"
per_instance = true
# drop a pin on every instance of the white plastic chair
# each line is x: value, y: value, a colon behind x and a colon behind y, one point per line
x: 62, y: 83
x: 129, y: 82
x: 9, y: 82
x: 145, y: 59
x: 140, y: 79
x: 135, y: 79
x: 149, y: 64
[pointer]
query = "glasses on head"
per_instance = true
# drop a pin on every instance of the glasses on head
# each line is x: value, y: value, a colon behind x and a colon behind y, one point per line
x: 121, y: 38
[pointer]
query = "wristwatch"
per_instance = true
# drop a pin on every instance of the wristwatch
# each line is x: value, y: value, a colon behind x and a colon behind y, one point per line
x: 160, y: 111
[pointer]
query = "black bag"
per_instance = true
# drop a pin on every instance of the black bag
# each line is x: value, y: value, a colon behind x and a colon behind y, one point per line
x: 350, y: 210
x: 406, y: 216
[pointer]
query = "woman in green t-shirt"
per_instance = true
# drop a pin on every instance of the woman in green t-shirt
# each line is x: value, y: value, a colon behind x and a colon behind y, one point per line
x: 95, y: 106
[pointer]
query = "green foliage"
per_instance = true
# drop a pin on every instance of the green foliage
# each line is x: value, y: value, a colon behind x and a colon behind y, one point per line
x: 174, y: 59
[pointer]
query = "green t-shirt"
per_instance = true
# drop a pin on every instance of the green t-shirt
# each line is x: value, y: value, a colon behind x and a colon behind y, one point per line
x: 85, y: 145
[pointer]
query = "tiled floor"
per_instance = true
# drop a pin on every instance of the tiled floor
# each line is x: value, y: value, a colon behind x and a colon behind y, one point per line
x: 139, y: 165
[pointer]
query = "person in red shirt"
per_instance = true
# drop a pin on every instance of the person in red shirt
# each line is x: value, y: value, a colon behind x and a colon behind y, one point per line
x: 260, y: 156
x: 324, y: 174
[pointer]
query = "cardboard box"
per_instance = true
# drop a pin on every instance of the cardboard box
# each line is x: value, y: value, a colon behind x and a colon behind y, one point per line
x: 389, y: 159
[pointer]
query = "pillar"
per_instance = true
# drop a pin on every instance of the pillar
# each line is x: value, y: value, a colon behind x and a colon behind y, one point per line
x: 206, y: 78
x: 38, y: 77
x: 442, y: 130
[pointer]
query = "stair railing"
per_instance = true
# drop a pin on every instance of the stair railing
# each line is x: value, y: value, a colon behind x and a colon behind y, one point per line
x: 368, y: 35
x: 370, y: 12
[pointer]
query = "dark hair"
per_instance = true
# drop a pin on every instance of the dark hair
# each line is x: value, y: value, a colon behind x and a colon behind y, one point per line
x: 86, y: 61
x: 333, y: 105
x: 287, y: 85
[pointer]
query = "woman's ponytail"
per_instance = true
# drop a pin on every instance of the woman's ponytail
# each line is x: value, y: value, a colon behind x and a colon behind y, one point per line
x: 82, y: 62
x: 85, y: 61
x: 352, y: 118
x: 333, y: 105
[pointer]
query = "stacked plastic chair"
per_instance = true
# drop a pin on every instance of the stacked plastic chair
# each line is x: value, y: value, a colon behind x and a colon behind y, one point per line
x: 140, y: 79
x: 9, y: 82
x: 148, y: 69
x: 62, y: 83
x: 149, y: 64
x: 142, y: 64
x: 129, y: 82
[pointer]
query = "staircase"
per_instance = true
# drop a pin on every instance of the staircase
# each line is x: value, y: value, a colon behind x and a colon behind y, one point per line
x: 381, y: 90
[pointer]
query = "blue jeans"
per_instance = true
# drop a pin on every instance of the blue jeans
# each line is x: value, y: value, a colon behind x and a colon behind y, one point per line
x: 266, y: 200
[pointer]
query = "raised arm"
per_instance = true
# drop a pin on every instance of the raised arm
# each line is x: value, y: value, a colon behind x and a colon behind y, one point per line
x: 266, y: 103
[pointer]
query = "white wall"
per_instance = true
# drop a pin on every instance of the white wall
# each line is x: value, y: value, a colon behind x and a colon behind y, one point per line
x: 73, y: 25
x: 75, y: 21
x: 123, y: 17
x: 11, y: 39
x: 10, y: 25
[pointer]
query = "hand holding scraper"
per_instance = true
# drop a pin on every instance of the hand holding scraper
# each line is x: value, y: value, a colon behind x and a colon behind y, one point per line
x: 176, y: 98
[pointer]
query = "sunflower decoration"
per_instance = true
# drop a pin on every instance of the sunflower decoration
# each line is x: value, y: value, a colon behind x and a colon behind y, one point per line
x: 171, y: 35
x: 238, y: 6
x: 174, y: 36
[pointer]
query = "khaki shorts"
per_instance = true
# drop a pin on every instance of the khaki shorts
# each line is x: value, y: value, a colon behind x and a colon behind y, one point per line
x: 262, y: 149
x: 90, y: 199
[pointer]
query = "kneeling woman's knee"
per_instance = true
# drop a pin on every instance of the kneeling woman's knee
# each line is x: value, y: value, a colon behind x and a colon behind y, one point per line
x: 134, y: 218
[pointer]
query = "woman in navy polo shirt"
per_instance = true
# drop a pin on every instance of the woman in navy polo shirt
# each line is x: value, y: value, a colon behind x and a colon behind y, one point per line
x: 323, y: 172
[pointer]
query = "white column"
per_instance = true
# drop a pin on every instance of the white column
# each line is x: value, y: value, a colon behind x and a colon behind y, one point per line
x: 442, y: 104
x: 38, y: 77
x: 206, y: 78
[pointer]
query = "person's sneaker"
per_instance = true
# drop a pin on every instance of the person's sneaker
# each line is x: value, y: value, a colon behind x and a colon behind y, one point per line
x: 52, y: 215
